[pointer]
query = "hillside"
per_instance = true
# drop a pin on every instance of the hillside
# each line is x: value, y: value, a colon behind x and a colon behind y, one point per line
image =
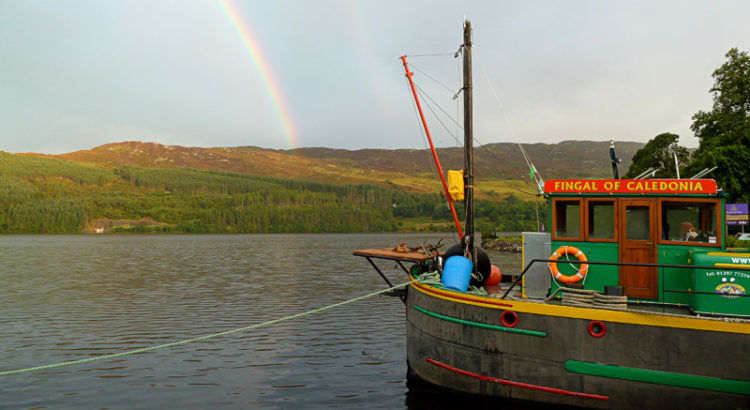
x: 407, y: 168
x: 50, y: 195
x: 148, y: 187
x: 568, y: 159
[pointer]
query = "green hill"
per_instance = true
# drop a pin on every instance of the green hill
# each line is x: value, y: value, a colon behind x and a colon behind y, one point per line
x: 411, y: 169
x: 49, y: 195
x: 146, y: 187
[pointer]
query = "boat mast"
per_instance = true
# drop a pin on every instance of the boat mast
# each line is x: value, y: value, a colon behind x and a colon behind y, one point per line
x: 468, y: 239
x: 409, y: 74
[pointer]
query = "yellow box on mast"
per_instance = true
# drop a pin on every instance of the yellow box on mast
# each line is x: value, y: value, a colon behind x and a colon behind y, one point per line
x: 456, y: 185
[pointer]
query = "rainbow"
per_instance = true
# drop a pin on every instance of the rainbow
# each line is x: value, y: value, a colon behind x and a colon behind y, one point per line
x: 261, y: 64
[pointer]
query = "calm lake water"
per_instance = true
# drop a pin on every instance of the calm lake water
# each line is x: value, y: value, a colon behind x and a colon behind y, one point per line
x: 72, y: 297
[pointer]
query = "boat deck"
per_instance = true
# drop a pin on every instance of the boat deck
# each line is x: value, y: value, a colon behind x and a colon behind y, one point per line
x: 633, y: 306
x: 402, y: 253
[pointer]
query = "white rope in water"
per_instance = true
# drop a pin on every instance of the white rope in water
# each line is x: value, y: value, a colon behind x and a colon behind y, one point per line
x: 196, y: 339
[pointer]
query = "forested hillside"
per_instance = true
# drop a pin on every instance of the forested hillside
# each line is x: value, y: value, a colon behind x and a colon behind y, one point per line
x: 495, y: 164
x: 49, y: 195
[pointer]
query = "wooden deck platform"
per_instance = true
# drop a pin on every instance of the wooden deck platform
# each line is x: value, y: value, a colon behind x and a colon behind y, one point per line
x: 393, y: 254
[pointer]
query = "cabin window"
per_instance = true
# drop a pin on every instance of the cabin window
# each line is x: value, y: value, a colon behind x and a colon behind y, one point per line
x: 601, y: 220
x: 637, y: 222
x: 567, y: 219
x: 689, y: 221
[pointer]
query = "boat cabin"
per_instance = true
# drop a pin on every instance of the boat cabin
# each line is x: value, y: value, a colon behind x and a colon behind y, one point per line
x: 670, y: 222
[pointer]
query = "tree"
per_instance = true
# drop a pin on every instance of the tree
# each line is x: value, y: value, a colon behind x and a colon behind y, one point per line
x: 724, y: 132
x: 659, y: 154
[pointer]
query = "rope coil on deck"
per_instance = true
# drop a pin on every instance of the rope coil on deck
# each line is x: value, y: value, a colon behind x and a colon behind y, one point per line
x: 577, y: 297
x: 593, y: 299
x: 611, y: 301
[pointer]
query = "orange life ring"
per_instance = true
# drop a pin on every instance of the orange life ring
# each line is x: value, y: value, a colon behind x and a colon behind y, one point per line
x: 571, y: 250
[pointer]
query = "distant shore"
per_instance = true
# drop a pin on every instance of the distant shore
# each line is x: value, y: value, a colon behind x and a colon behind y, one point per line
x: 508, y: 244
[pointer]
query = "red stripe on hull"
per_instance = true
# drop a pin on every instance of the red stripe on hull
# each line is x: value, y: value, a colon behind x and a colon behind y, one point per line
x: 518, y: 384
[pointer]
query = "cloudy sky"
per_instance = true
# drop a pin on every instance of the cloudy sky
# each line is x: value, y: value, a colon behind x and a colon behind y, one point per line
x: 280, y: 74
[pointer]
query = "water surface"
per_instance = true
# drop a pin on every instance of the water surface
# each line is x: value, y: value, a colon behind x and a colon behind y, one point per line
x: 72, y: 297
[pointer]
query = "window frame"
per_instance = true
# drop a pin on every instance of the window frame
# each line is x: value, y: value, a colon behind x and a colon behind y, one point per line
x: 688, y: 201
x: 615, y: 221
x: 581, y: 221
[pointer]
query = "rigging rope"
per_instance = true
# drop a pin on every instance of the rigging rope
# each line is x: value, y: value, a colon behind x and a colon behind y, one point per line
x: 535, y: 173
x: 431, y: 55
x: 424, y: 94
x: 426, y: 97
x: 196, y: 339
x: 453, y: 92
x: 422, y: 133
x: 497, y: 98
x: 429, y: 99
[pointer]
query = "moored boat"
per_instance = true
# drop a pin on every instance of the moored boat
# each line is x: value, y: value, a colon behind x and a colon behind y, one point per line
x: 631, y: 300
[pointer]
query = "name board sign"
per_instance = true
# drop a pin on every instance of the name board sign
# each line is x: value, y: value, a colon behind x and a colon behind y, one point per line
x: 737, y: 214
x: 630, y: 186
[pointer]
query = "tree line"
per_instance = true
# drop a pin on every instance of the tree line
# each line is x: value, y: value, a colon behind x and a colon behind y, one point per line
x: 723, y: 134
x: 43, y: 195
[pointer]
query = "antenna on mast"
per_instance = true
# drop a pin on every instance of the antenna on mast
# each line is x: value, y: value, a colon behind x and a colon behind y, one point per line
x: 614, y: 159
x: 647, y: 173
x: 704, y: 172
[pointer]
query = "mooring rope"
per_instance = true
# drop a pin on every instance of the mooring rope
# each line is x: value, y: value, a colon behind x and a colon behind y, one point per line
x: 196, y: 339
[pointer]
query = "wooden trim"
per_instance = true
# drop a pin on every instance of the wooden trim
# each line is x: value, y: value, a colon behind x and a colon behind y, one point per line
x: 587, y: 218
x: 626, y: 272
x: 718, y: 211
x: 553, y: 211
x: 393, y: 254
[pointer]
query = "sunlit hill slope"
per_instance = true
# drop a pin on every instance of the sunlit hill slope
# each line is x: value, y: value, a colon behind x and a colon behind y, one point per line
x: 408, y: 168
x: 147, y: 187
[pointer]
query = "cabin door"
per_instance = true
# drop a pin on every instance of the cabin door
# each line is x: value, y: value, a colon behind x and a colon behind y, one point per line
x: 638, y: 236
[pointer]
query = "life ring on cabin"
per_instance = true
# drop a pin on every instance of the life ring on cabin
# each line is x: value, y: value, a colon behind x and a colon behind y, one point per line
x: 569, y: 250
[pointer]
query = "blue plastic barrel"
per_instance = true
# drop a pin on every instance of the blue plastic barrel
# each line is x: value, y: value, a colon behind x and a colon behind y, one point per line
x: 457, y: 273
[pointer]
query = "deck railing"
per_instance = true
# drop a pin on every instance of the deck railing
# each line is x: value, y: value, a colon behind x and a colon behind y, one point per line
x: 648, y: 265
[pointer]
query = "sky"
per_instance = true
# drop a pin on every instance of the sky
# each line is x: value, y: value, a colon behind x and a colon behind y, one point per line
x: 282, y: 74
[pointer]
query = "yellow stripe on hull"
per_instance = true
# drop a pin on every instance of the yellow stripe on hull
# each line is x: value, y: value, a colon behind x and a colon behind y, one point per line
x: 634, y: 318
x: 730, y: 254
